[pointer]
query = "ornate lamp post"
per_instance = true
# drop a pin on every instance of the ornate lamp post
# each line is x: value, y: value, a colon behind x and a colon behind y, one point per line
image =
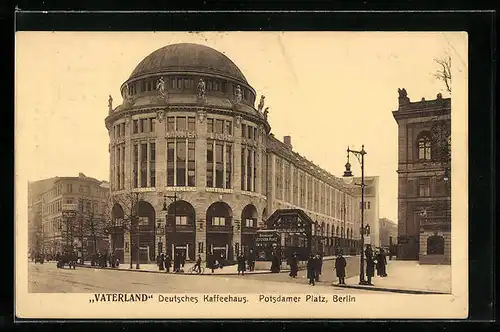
x: 348, y: 178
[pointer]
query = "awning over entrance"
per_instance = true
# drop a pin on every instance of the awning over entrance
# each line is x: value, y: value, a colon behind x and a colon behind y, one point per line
x: 290, y: 220
x: 295, y: 229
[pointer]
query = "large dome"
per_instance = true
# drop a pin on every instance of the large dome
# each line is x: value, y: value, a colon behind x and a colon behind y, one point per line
x: 188, y: 57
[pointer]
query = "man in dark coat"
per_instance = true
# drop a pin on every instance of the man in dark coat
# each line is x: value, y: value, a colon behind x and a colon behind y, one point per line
x: 251, y: 260
x: 382, y: 263
x: 294, y: 265
x: 319, y: 266
x: 275, y: 263
x: 369, y: 265
x: 168, y: 263
x: 241, y: 264
x: 311, y: 270
x: 177, y: 262
x: 340, y: 264
x: 161, y: 262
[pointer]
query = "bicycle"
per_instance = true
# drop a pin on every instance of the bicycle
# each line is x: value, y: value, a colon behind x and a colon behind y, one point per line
x: 192, y: 270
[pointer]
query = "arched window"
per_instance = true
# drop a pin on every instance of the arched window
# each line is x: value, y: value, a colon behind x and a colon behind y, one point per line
x: 435, y: 245
x: 424, y: 146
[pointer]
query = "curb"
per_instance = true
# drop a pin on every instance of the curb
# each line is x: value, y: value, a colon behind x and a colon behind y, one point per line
x: 187, y: 274
x: 196, y: 274
x: 392, y: 290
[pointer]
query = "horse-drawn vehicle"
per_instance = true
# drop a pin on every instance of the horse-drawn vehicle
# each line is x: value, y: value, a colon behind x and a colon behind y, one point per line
x: 67, y: 259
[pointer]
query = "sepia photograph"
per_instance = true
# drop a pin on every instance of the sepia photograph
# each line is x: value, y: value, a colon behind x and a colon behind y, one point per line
x: 241, y: 175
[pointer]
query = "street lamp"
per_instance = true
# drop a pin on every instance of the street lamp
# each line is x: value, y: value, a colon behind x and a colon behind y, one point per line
x: 172, y: 198
x: 348, y: 178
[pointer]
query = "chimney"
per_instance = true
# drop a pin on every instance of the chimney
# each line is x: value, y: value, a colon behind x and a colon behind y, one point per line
x: 288, y: 141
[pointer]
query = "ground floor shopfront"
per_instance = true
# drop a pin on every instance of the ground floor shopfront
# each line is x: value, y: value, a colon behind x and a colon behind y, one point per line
x: 186, y: 226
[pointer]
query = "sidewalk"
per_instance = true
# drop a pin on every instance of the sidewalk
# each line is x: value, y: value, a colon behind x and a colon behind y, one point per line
x: 409, y: 277
x: 153, y: 268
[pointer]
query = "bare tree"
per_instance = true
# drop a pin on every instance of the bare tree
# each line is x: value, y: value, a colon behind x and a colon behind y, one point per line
x: 444, y: 71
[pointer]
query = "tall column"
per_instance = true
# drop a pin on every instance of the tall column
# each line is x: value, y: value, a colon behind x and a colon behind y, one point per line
x: 201, y: 182
x: 161, y: 158
x: 237, y: 224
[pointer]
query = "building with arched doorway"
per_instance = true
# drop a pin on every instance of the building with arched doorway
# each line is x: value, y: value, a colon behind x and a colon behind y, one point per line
x: 195, y: 161
x: 424, y: 178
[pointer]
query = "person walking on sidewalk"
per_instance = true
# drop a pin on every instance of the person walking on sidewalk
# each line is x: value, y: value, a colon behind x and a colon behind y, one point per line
x: 161, y: 262
x: 369, y: 265
x: 340, y: 264
x: 311, y: 269
x: 382, y: 263
x: 319, y: 266
x: 197, y: 265
x: 167, y: 263
x: 251, y: 260
x: 293, y: 265
x: 241, y: 264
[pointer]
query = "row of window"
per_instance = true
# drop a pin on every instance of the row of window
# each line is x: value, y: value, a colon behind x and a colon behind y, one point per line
x: 216, y: 221
x: 181, y: 123
x: 425, y: 148
x: 219, y: 164
x: 181, y: 168
x: 186, y: 123
x: 185, y: 84
x: 143, y: 165
x: 313, y: 194
x: 56, y: 206
x: 145, y: 125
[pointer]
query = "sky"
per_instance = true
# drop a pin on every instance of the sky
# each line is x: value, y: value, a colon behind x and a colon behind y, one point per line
x: 327, y: 90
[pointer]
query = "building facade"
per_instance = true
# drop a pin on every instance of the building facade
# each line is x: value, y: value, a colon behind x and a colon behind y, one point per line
x: 371, y: 206
x: 388, y: 232
x: 194, y: 163
x: 424, y: 173
x: 85, y: 197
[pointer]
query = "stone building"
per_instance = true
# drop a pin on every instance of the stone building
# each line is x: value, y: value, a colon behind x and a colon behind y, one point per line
x: 51, y: 230
x: 424, y: 170
x: 195, y: 163
x: 371, y: 205
x: 388, y: 233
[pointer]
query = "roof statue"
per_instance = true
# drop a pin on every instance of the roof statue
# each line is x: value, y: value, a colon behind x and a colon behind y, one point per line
x: 266, y: 112
x: 125, y: 92
x: 160, y: 87
x: 201, y: 89
x: 402, y: 93
x: 239, y: 95
x: 261, y: 103
x: 110, y: 103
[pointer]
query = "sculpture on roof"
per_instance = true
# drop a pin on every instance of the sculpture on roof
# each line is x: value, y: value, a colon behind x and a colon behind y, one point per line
x: 266, y: 112
x: 402, y: 93
x: 201, y: 89
x: 160, y: 87
x: 239, y: 96
x: 261, y: 103
x: 110, y: 103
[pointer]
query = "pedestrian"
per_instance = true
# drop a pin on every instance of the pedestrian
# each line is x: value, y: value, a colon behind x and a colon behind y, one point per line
x: 182, y: 259
x: 319, y: 266
x: 251, y: 260
x: 241, y: 264
x: 161, y: 261
x: 211, y: 261
x: 294, y: 265
x: 382, y: 261
x: 167, y: 263
x: 275, y: 263
x: 221, y: 261
x: 340, y: 264
x: 311, y: 269
x: 176, y: 262
x: 369, y: 265
x: 197, y: 265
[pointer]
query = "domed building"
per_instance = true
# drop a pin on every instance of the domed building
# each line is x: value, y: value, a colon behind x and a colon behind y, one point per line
x: 193, y: 158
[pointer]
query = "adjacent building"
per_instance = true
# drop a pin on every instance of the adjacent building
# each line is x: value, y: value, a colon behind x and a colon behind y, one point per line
x: 51, y: 229
x: 371, y: 206
x: 195, y: 163
x: 388, y: 232
x: 424, y: 170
